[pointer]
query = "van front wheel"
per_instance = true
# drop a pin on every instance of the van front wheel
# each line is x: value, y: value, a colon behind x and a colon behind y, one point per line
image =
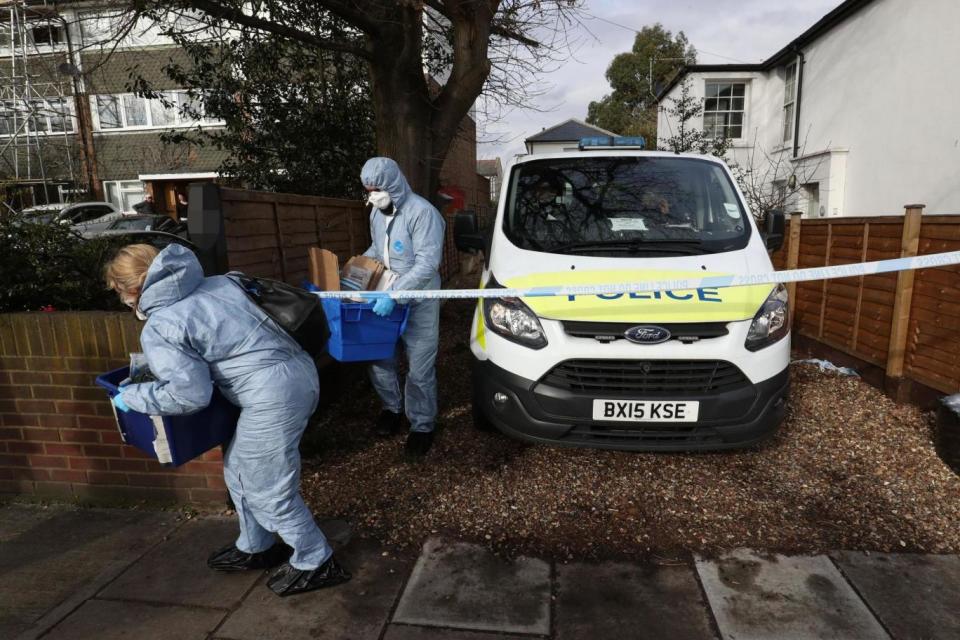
x: 480, y: 421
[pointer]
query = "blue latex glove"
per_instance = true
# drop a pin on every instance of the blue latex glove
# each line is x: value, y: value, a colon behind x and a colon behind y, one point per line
x: 119, y: 403
x: 384, y: 307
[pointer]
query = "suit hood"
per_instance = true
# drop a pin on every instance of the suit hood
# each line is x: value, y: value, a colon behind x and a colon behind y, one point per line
x: 385, y: 174
x: 174, y: 274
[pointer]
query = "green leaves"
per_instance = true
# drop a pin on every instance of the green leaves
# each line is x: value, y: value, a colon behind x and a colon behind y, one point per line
x: 636, y: 77
x: 49, y: 265
x: 296, y: 118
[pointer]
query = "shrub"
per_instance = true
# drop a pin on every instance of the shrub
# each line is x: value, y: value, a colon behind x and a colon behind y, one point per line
x: 48, y: 265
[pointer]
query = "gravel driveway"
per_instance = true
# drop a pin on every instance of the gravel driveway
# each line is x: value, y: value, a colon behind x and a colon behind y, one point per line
x: 850, y: 469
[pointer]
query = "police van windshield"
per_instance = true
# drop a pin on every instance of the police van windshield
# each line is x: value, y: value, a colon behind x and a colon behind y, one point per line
x: 622, y: 206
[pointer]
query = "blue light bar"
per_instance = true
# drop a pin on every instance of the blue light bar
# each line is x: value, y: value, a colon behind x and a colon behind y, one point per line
x: 607, y: 142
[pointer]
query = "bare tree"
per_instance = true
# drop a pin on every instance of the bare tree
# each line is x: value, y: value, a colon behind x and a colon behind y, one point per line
x: 686, y: 110
x: 466, y: 47
x: 772, y: 180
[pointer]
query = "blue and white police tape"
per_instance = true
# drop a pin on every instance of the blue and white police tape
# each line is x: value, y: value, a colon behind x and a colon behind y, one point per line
x: 683, y: 284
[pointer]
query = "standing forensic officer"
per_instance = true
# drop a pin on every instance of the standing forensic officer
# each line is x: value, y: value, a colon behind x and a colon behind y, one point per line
x: 407, y: 234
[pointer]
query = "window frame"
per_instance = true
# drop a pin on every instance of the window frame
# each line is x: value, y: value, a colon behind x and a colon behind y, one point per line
x: 48, y: 114
x: 176, y: 121
x: 733, y: 82
x: 789, y: 111
x: 120, y: 190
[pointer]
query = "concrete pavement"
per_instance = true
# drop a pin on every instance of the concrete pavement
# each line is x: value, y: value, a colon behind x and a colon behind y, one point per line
x: 104, y: 574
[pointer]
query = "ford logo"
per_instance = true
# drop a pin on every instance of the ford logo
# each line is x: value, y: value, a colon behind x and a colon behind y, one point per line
x: 647, y: 334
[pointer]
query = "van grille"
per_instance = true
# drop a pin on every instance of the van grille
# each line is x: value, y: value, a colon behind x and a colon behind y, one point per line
x: 674, y: 378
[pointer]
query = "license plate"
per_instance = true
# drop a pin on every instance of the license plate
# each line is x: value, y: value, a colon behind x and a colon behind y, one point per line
x: 645, y: 411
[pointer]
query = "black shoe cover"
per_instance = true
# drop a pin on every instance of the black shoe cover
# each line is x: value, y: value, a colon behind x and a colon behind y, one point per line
x: 418, y: 444
x: 230, y: 558
x: 388, y: 424
x: 288, y: 581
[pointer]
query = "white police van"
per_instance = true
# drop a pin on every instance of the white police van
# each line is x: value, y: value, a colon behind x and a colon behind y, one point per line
x: 665, y: 370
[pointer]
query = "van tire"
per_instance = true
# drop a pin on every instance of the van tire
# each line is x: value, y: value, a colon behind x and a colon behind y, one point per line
x: 480, y: 422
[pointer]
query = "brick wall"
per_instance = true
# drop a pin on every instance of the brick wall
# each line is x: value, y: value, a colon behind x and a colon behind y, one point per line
x: 58, y: 436
x: 460, y: 166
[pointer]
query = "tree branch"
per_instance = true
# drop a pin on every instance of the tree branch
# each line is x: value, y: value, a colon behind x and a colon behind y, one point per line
x: 348, y: 11
x: 218, y: 10
x: 495, y: 29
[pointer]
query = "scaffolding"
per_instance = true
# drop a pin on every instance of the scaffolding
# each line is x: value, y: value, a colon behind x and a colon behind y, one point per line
x: 37, y: 121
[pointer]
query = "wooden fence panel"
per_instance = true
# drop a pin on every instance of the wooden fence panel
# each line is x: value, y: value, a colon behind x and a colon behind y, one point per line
x: 859, y: 316
x: 268, y: 234
x: 933, y: 336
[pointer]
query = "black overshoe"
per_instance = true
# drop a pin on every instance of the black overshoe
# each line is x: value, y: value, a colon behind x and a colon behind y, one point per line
x: 388, y: 424
x: 288, y: 581
x: 230, y: 558
x: 418, y: 444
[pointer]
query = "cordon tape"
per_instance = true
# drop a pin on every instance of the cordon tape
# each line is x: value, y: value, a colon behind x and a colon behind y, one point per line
x: 928, y: 261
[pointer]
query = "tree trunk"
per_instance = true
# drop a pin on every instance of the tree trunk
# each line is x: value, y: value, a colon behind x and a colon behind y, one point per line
x: 401, y: 100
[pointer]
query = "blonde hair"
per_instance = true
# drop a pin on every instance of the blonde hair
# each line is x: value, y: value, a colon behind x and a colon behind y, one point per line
x: 128, y: 269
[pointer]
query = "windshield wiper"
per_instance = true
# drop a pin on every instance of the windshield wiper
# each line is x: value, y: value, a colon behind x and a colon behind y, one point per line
x: 687, y: 247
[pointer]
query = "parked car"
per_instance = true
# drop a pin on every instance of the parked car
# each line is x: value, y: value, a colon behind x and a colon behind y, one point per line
x: 38, y: 215
x: 135, y: 222
x: 86, y: 212
x: 158, y: 239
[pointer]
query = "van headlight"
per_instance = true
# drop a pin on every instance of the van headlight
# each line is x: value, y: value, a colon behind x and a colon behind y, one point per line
x: 515, y: 321
x: 771, y: 322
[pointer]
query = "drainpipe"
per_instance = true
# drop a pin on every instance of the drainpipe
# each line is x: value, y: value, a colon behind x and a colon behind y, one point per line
x: 796, y: 115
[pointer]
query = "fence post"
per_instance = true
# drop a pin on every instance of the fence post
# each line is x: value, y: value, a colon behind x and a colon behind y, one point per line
x: 793, y: 259
x: 896, y: 353
x: 205, y: 225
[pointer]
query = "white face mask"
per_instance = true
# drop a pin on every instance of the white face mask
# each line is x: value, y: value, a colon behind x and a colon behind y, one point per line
x: 379, y: 199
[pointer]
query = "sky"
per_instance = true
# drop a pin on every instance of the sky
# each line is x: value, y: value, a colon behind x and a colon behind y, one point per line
x: 723, y: 31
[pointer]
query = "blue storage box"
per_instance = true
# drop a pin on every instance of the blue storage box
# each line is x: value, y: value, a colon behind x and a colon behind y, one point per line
x: 174, y: 440
x: 357, y: 334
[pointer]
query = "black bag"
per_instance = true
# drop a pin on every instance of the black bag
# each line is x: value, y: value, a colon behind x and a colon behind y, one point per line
x: 296, y: 311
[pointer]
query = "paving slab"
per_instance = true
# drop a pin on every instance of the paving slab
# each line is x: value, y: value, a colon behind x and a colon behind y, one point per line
x: 788, y: 598
x: 357, y: 610
x: 103, y: 620
x: 406, y: 632
x: 917, y: 597
x: 464, y: 586
x: 623, y: 600
x: 53, y: 558
x: 17, y: 518
x: 176, y: 571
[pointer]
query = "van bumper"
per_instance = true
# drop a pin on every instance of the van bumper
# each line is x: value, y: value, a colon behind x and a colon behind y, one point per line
x: 727, y: 420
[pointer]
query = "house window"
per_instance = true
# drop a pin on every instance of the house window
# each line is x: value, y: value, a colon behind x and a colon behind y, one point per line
x: 129, y: 111
x: 723, y: 110
x: 163, y: 111
x: 47, y: 35
x: 60, y: 115
x: 53, y: 115
x: 135, y: 111
x: 789, y: 101
x: 124, y: 193
x: 108, y: 112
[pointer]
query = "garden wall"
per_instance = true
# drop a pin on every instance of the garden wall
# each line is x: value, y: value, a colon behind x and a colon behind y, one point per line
x: 58, y: 436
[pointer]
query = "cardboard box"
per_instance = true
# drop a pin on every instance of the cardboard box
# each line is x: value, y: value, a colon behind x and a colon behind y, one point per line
x: 360, y: 274
x: 324, y: 270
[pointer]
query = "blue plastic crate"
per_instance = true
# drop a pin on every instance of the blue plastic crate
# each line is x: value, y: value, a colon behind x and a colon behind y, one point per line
x: 357, y: 334
x: 174, y: 440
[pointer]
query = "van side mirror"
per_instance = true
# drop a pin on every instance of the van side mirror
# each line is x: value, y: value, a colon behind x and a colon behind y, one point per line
x: 466, y: 235
x: 775, y: 228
